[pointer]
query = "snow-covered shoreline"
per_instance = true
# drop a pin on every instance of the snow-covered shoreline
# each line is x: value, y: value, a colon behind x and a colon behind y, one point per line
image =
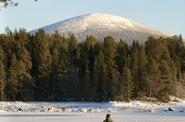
x: 175, y: 105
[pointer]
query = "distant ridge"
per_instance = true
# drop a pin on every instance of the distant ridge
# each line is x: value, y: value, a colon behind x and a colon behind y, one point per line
x: 100, y: 25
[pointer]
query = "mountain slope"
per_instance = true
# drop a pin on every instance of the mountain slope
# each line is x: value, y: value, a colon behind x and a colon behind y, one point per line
x: 101, y: 25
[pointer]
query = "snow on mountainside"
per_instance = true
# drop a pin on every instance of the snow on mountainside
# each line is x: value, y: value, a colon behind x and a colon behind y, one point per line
x: 101, y: 25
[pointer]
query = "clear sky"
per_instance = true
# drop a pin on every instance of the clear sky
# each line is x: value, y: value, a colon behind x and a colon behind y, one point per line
x: 164, y: 15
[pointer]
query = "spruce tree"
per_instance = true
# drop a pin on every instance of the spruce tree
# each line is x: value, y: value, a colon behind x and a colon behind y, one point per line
x: 153, y: 77
x: 41, y: 60
x: 24, y: 77
x: 101, y: 78
x: 128, y: 85
x: 168, y: 76
x: 12, y: 83
x: 122, y: 57
x: 138, y: 69
x: 109, y: 50
x: 2, y: 75
x: 24, y: 66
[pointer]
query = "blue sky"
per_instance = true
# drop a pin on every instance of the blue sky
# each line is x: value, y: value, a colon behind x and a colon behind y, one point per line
x: 164, y: 15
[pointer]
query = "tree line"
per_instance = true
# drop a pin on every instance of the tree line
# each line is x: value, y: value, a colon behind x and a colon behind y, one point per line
x: 43, y: 67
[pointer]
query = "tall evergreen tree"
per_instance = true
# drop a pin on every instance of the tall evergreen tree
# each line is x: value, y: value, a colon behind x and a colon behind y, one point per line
x: 153, y: 77
x: 109, y: 50
x: 122, y: 57
x: 128, y: 85
x: 42, y: 65
x: 2, y: 75
x: 168, y: 78
x: 101, y: 78
x: 138, y: 69
x: 12, y: 83
x: 24, y: 65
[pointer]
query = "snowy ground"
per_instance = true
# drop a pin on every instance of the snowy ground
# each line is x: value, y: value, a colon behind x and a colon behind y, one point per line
x: 135, y: 111
x: 90, y: 117
x: 176, y: 105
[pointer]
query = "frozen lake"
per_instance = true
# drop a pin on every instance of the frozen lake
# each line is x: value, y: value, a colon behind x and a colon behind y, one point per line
x: 90, y: 117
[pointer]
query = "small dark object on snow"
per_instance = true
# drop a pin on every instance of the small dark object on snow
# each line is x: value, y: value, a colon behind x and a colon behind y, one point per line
x: 20, y: 109
x: 170, y: 109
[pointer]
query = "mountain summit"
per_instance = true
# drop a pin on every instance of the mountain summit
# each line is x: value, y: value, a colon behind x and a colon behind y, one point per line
x: 100, y: 25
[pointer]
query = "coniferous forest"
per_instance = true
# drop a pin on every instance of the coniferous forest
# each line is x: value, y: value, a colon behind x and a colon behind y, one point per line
x: 44, y: 67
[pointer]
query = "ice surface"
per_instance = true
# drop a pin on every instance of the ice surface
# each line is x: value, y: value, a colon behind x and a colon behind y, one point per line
x: 90, y: 117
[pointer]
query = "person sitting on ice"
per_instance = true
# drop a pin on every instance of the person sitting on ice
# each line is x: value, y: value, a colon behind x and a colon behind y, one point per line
x: 108, y: 118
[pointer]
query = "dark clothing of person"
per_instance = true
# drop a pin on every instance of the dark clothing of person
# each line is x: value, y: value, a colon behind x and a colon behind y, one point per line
x: 108, y: 120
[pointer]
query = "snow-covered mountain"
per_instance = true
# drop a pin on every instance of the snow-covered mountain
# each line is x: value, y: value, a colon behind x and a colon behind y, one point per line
x: 101, y: 25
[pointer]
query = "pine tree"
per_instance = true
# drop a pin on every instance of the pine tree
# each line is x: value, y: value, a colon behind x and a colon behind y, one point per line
x: 2, y: 75
x: 85, y: 81
x: 141, y: 73
x: 122, y: 57
x: 24, y: 65
x: 182, y: 59
x: 109, y: 50
x: 12, y: 83
x: 138, y: 69
x: 128, y: 85
x: 91, y: 54
x: 58, y: 67
x: 24, y: 77
x: 153, y: 77
x: 101, y: 78
x: 168, y: 76
x: 72, y: 43
x: 41, y: 65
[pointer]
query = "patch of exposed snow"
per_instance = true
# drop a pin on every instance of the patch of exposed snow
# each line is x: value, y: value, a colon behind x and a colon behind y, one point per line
x: 175, y: 105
